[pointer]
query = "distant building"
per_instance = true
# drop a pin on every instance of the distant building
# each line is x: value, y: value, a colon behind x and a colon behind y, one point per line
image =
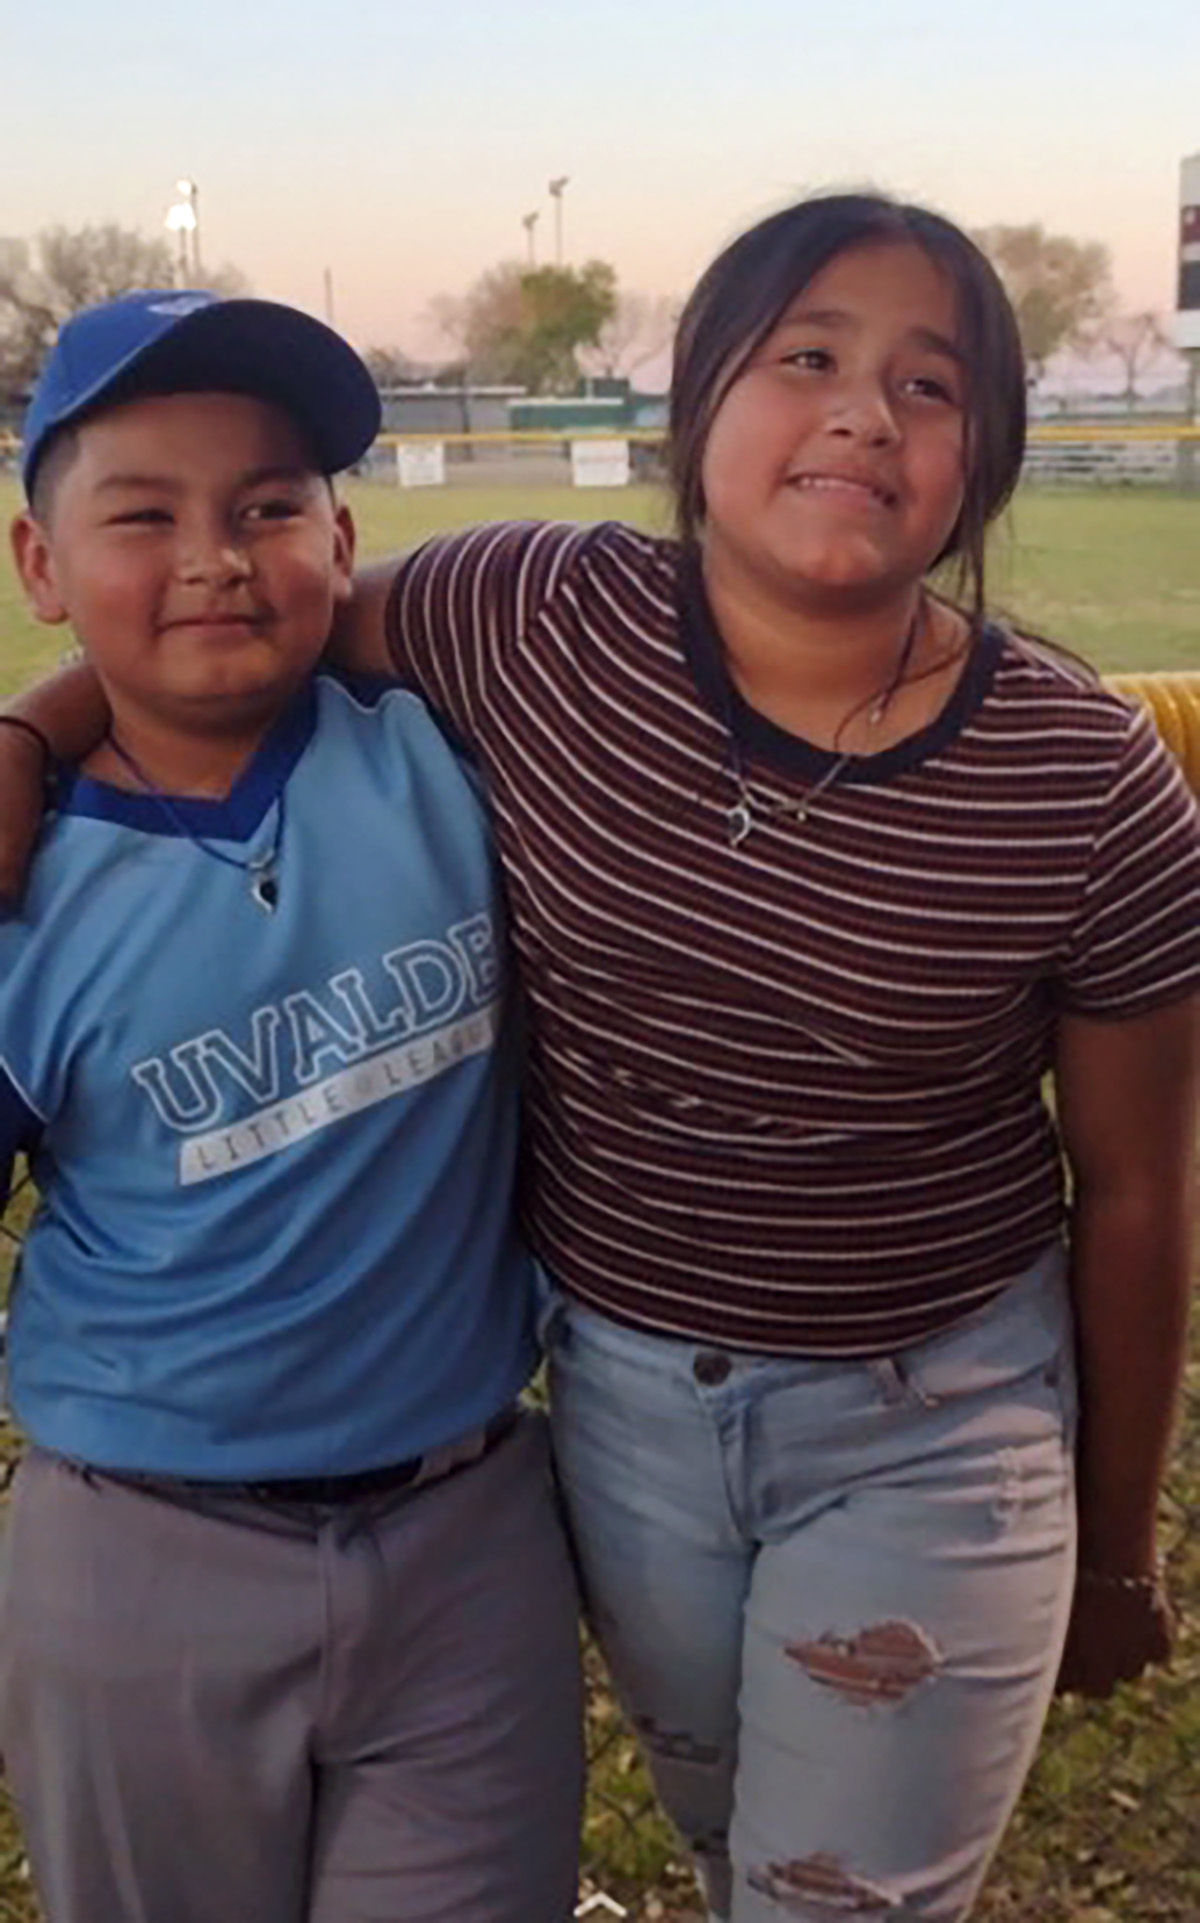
x: 426, y: 408
x: 601, y: 404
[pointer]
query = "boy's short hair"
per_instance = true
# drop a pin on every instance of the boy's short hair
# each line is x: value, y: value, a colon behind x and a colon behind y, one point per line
x: 162, y: 341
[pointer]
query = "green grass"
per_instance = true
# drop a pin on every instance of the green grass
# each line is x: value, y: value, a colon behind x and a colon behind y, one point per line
x: 1112, y: 573
x: 388, y: 521
x: 1109, y: 1828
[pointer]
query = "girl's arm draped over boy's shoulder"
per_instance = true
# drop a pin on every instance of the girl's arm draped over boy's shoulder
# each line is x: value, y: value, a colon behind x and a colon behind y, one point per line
x: 458, y: 617
x: 359, y: 641
x: 69, y: 709
x: 436, y: 618
x: 71, y: 713
x: 1127, y: 1096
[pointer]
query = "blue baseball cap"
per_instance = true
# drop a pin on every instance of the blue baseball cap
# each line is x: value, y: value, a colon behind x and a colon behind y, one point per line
x: 171, y: 341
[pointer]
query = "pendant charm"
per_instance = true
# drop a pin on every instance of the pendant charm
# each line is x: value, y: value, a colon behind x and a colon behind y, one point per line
x: 264, y: 891
x: 738, y: 823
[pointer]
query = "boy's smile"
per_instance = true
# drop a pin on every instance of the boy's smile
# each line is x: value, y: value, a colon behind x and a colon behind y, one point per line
x: 198, y: 555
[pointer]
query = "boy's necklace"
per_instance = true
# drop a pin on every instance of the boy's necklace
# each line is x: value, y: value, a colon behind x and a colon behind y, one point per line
x: 263, y: 870
x: 749, y: 807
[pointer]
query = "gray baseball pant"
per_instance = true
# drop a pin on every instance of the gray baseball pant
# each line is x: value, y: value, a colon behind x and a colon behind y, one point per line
x: 237, y: 1714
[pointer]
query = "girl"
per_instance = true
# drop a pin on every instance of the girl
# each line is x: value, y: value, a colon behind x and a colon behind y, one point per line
x: 815, y: 872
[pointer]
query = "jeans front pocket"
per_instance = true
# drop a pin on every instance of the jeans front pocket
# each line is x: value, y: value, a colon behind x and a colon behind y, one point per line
x: 1018, y: 1351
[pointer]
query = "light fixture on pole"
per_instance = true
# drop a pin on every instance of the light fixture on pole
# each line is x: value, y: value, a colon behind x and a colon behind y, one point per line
x: 189, y: 194
x: 181, y: 220
x: 529, y: 222
x: 556, y: 188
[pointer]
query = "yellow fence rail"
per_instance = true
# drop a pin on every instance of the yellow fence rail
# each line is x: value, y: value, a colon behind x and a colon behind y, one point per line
x: 1040, y: 431
x: 1174, y: 704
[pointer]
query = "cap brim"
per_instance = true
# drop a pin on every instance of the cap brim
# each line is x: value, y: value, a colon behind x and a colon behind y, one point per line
x: 274, y: 353
x: 254, y: 347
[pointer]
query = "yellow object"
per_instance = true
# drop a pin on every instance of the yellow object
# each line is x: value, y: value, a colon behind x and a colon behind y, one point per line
x: 1174, y: 704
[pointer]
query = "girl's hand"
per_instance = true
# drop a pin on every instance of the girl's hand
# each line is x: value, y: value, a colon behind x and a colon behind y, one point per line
x: 1119, y: 1626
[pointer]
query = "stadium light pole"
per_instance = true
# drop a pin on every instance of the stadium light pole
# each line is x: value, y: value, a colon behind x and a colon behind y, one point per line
x: 529, y: 222
x: 189, y: 193
x: 181, y: 220
x: 556, y: 189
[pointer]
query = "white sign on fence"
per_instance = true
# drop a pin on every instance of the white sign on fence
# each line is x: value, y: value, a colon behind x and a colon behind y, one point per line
x: 600, y: 463
x: 421, y: 463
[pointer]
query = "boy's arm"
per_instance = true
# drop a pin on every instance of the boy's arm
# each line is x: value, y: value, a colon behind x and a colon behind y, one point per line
x: 68, y: 709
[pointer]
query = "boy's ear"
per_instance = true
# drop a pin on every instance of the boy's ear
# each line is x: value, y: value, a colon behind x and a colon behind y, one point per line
x: 344, y: 540
x: 35, y: 565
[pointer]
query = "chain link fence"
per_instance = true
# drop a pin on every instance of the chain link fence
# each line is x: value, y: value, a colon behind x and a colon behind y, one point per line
x: 1108, y: 1830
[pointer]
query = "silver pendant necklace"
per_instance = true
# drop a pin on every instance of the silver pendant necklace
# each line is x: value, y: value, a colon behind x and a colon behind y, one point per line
x: 748, y: 808
x: 262, y: 870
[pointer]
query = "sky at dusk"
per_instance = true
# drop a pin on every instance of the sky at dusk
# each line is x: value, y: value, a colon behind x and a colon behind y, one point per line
x: 398, y: 145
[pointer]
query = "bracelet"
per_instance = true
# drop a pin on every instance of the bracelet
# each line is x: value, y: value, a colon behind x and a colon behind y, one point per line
x: 35, y: 734
x: 1150, y: 1586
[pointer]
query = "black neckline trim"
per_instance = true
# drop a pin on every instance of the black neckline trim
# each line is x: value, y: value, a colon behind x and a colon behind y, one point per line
x: 767, y: 741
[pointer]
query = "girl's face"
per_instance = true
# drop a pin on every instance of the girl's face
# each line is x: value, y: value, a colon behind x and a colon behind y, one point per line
x: 833, y: 471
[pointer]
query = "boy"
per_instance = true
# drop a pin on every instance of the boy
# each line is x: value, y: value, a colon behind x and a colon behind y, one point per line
x: 287, y: 1627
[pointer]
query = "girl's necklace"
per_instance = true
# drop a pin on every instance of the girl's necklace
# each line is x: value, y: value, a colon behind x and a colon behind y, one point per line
x: 263, y: 870
x: 748, y: 807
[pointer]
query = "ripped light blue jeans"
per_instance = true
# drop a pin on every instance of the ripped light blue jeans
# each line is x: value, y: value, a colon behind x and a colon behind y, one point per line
x: 833, y: 1595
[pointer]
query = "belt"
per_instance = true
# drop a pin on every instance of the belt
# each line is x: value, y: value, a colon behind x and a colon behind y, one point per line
x: 332, y: 1491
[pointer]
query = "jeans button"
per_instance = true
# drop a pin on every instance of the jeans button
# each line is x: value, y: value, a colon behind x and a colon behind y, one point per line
x: 711, y: 1368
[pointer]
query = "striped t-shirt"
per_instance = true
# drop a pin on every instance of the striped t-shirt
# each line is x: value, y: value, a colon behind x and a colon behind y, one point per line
x: 785, y: 1095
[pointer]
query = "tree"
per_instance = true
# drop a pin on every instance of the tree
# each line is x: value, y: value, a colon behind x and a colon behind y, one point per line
x: 45, y: 280
x: 1135, y: 340
x: 390, y: 366
x: 1060, y: 288
x: 640, y: 327
x: 526, y: 325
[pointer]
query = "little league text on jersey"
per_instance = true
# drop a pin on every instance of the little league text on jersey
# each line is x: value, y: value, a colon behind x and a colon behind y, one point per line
x: 319, y: 1055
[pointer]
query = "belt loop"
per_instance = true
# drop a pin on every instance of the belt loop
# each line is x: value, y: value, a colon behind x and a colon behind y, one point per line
x: 896, y: 1385
x: 436, y: 1463
x: 889, y: 1379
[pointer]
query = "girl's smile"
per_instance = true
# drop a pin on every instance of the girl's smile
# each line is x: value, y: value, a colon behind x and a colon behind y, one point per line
x: 834, y: 464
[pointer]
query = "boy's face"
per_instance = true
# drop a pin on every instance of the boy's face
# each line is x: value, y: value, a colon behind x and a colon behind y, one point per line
x: 198, y: 557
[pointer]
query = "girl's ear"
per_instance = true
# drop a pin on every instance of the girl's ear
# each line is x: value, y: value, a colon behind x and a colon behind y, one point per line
x: 35, y: 565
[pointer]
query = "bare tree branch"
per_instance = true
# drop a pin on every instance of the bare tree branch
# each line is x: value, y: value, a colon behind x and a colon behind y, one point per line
x: 45, y: 280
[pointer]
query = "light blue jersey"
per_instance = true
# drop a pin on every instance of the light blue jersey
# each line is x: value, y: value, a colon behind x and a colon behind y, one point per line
x: 276, y: 1150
